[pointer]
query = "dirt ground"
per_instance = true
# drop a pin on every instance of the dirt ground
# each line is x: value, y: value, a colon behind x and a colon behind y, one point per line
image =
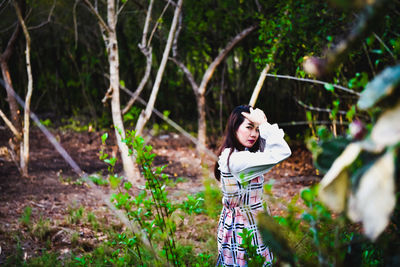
x: 51, y: 189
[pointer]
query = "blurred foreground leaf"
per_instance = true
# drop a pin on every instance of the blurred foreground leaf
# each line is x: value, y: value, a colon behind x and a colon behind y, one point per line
x: 272, y: 235
x: 380, y: 87
x: 331, y: 149
x: 334, y: 186
x: 386, y: 131
x: 374, y: 200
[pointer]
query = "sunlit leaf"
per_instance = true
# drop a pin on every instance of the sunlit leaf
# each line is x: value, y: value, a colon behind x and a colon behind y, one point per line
x: 374, y: 199
x: 334, y: 185
x: 386, y: 131
x: 329, y: 87
x: 381, y: 86
x: 104, y: 138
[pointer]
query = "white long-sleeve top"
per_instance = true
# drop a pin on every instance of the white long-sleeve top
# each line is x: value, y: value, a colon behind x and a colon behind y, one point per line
x: 246, y: 165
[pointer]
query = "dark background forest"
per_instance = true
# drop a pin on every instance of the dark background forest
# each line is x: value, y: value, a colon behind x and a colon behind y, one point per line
x: 93, y: 68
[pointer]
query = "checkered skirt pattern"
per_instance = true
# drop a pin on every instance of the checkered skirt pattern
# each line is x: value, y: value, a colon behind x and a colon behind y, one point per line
x: 241, y: 204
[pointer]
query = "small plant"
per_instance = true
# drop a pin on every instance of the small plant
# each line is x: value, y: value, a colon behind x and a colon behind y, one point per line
x: 193, y: 204
x: 75, y: 215
x: 26, y: 217
x: 41, y: 229
x: 253, y: 259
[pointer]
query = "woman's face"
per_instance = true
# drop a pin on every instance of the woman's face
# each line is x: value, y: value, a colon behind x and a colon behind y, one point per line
x: 247, y: 134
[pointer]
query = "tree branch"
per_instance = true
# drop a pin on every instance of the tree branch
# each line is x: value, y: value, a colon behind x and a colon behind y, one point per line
x: 100, y: 19
x: 10, y: 125
x: 301, y: 103
x: 209, y: 72
x: 48, y: 18
x: 314, y: 81
x: 187, y: 73
x: 156, y: 25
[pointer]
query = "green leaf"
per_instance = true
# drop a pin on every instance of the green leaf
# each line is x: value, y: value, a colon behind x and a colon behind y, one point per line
x: 122, y: 83
x: 104, y: 138
x: 329, y: 87
x: 307, y: 196
x: 114, y: 181
x: 380, y: 87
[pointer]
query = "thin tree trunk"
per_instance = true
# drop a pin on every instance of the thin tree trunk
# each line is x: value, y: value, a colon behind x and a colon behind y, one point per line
x: 145, y: 115
x: 25, y: 145
x: 146, y: 49
x: 110, y: 39
x: 201, y: 102
x: 14, y: 111
x: 113, y: 58
x: 259, y: 85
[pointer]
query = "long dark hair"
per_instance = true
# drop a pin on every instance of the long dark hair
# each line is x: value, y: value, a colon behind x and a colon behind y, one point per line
x: 230, y: 140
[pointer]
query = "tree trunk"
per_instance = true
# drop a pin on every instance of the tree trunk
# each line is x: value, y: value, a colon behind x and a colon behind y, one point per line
x: 202, y: 126
x: 14, y: 111
x: 202, y: 137
x: 145, y: 115
x: 113, y: 58
x: 25, y: 145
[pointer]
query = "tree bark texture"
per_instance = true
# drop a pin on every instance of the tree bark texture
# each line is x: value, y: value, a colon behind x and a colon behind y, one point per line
x: 113, y: 58
x: 25, y: 145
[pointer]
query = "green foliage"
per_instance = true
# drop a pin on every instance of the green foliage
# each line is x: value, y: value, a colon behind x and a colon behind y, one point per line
x: 309, y: 235
x: 212, y: 198
x: 131, y: 117
x: 151, y: 210
x: 252, y: 257
x: 26, y: 217
x: 75, y: 215
x: 193, y: 204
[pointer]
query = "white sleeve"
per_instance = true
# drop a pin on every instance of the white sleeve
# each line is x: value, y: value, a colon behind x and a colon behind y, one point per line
x: 246, y: 165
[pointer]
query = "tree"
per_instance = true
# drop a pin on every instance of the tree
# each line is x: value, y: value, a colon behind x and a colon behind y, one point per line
x: 109, y: 33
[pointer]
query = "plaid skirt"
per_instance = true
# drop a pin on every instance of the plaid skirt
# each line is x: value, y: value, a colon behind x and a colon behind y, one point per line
x: 242, y: 203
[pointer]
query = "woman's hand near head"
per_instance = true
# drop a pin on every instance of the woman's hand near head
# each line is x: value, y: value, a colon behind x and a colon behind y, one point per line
x: 256, y: 116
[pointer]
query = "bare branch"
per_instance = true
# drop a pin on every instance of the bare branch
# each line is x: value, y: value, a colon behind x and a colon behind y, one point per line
x: 145, y: 115
x: 48, y: 18
x: 187, y: 73
x: 146, y: 25
x: 147, y: 52
x: 369, y: 59
x: 158, y: 22
x: 171, y: 122
x: 209, y: 72
x: 385, y: 46
x: 301, y: 103
x: 75, y: 22
x: 10, y: 45
x: 96, y: 13
x: 149, y: 59
x: 10, y: 125
x: 315, y: 81
x: 259, y: 84
x: 175, y: 42
x: 122, y: 7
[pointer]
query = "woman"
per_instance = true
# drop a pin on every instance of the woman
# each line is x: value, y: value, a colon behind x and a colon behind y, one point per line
x: 251, y: 147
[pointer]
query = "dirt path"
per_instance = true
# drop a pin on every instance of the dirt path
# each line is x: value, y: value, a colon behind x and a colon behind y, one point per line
x: 53, y: 191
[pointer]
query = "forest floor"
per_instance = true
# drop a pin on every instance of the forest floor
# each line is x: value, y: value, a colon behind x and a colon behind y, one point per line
x: 58, y: 200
